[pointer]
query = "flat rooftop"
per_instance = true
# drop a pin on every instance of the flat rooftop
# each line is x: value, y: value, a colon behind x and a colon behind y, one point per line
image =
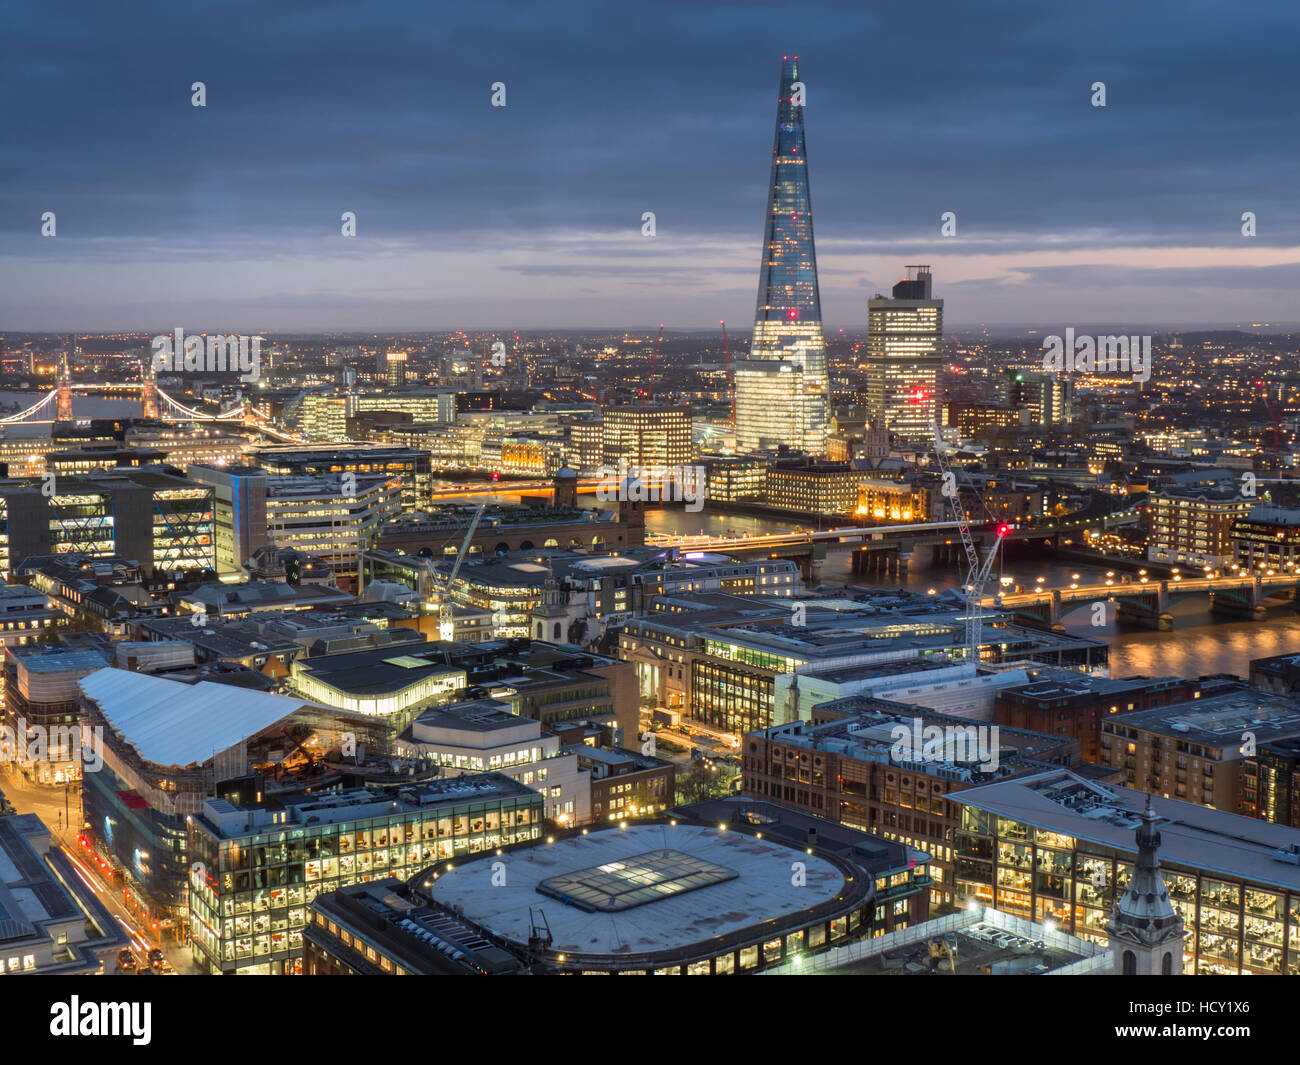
x: 758, y: 887
x: 1219, y: 720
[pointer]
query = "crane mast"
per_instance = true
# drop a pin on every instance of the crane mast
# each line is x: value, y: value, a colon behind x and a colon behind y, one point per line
x: 977, y: 570
x: 446, y: 616
x: 731, y: 384
x: 654, y: 362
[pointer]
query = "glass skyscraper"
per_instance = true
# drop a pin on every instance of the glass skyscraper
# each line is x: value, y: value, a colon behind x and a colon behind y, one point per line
x: 782, y: 391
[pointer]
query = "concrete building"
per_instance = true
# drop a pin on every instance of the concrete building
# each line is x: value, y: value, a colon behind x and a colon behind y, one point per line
x: 240, y: 510
x: 483, y: 736
x: 1193, y: 749
x: 863, y: 769
x: 51, y: 923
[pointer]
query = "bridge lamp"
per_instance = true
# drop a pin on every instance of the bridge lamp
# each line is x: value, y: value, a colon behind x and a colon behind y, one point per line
x: 1110, y: 573
x: 1175, y: 570
x: 1074, y: 576
x: 1145, y: 579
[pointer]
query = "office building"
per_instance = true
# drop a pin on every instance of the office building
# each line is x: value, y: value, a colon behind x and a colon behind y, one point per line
x: 1075, y: 705
x: 1060, y: 847
x: 829, y: 488
x: 782, y: 391
x: 395, y: 366
x: 904, y: 334
x: 1267, y: 538
x: 484, y: 736
x: 239, y: 508
x: 258, y: 866
x: 167, y: 745
x: 40, y: 692
x: 336, y: 518
x: 26, y: 614
x: 625, y: 784
x: 1041, y: 398
x: 147, y: 514
x: 731, y: 861
x: 852, y: 770
x: 643, y: 436
x: 409, y: 465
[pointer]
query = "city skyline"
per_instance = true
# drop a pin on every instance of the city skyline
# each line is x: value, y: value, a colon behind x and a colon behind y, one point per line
x: 1087, y: 213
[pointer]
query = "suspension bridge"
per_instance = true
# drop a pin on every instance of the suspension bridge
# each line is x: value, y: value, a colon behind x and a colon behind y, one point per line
x: 56, y: 405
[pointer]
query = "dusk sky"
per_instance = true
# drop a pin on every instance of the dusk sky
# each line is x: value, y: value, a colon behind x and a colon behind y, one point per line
x: 468, y: 216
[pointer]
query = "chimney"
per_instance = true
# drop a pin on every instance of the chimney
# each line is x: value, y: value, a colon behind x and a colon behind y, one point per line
x: 812, y: 836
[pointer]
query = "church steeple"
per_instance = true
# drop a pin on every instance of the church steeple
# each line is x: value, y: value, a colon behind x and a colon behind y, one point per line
x: 1145, y: 930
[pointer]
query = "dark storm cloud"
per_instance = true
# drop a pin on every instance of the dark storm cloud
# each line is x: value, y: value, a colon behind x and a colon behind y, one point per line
x: 614, y: 110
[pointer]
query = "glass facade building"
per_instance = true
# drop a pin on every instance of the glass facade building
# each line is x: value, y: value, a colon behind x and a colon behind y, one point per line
x: 1237, y: 922
x: 250, y: 890
x: 782, y: 389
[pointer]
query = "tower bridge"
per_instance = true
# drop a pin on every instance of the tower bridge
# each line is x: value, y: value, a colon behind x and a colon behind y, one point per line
x: 56, y: 405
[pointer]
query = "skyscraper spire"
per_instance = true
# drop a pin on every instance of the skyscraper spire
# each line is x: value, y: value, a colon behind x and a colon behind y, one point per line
x: 781, y: 389
x: 787, y: 280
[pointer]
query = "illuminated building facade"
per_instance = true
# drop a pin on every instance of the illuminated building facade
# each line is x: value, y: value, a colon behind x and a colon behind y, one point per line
x: 239, y: 499
x: 395, y: 363
x: 333, y: 518
x: 257, y: 870
x: 646, y: 436
x: 903, y: 338
x: 892, y: 501
x: 813, y: 488
x: 1195, y: 525
x: 782, y: 389
x: 156, y: 518
x: 1059, y: 847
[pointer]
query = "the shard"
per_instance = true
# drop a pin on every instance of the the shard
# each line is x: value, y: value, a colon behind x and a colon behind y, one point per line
x: 782, y: 391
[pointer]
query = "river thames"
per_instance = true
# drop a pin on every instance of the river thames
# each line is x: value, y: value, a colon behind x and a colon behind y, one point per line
x: 1198, y: 645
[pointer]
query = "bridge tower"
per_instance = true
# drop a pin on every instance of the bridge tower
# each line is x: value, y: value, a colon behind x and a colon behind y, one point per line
x: 148, y: 391
x: 63, y: 401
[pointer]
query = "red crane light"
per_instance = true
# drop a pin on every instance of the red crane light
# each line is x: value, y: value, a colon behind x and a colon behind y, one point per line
x: 1004, y: 529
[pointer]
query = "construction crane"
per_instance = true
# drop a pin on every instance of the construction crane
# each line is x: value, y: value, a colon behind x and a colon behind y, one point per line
x: 977, y: 572
x: 654, y: 362
x: 731, y: 384
x: 1274, y: 413
x: 446, y: 616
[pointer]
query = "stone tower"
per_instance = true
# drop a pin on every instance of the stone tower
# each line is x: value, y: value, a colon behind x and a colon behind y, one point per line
x: 1146, y: 933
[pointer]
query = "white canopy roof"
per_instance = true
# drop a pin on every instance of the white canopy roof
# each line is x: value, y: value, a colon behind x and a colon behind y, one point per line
x: 171, y: 723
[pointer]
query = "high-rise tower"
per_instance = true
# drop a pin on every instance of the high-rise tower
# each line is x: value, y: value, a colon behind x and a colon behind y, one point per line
x: 782, y: 390
x: 903, y: 362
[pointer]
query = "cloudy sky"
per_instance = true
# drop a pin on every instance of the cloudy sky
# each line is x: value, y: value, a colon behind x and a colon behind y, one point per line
x: 468, y: 216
